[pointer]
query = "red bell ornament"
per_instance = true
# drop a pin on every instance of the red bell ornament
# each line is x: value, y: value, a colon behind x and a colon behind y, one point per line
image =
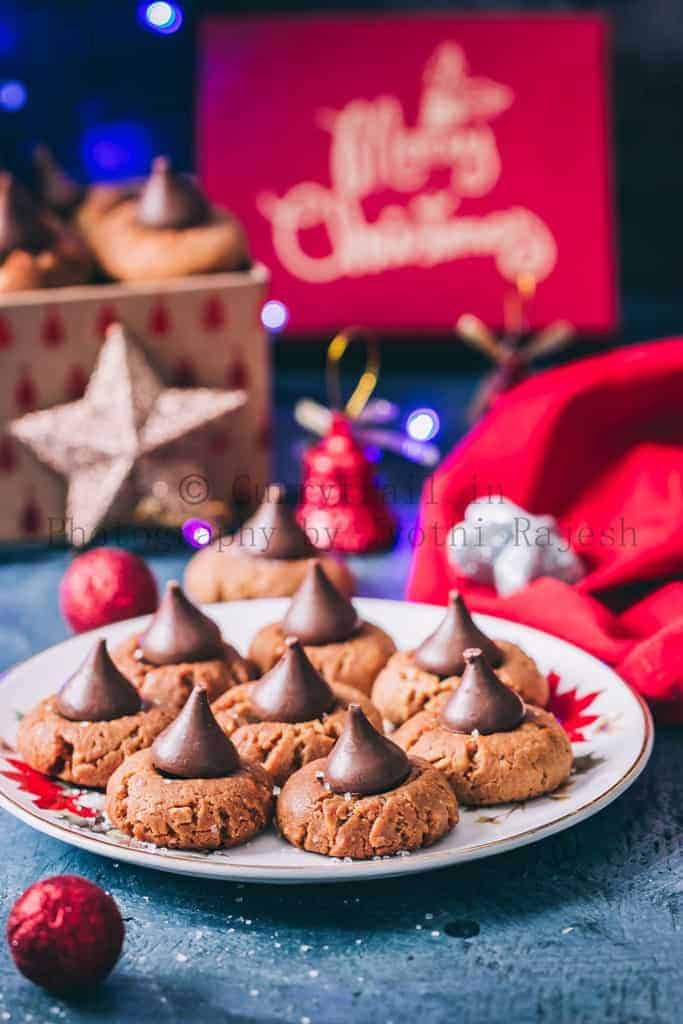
x: 341, y: 507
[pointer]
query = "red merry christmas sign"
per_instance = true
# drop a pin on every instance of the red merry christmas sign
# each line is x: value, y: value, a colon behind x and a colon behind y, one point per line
x: 400, y: 171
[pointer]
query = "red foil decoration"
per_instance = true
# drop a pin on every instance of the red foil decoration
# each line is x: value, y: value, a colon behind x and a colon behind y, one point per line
x: 105, y: 585
x: 65, y: 933
x: 341, y: 507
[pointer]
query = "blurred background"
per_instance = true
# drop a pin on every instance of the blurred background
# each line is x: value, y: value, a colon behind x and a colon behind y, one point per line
x: 107, y: 90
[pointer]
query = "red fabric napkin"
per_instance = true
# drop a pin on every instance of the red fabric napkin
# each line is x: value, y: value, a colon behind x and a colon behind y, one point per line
x: 599, y: 445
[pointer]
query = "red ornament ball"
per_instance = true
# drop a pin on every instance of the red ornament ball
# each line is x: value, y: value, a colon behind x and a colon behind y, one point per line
x: 106, y: 585
x: 65, y: 932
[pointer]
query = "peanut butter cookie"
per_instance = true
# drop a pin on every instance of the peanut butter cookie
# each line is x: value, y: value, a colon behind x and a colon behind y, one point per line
x: 411, y: 678
x: 171, y: 685
x: 354, y: 662
x: 85, y: 731
x: 168, y: 230
x: 221, y: 572
x: 267, y: 557
x: 85, y: 753
x: 415, y: 814
x: 37, y: 250
x: 190, y: 790
x: 188, y: 814
x: 342, y: 647
x: 366, y: 799
x: 530, y: 759
x: 284, y: 747
x: 402, y: 688
x: 181, y: 648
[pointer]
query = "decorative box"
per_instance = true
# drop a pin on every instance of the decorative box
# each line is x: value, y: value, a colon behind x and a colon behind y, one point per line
x: 203, y: 330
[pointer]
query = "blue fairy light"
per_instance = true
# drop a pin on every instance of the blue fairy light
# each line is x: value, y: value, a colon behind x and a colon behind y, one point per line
x: 13, y: 96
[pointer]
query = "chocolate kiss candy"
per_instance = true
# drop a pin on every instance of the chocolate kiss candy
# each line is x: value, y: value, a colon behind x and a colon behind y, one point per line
x: 443, y: 651
x: 97, y: 691
x: 170, y: 200
x: 55, y: 187
x: 194, y: 746
x: 292, y: 691
x: 362, y: 760
x: 180, y: 632
x: 273, y: 531
x: 481, y: 701
x: 318, y: 612
x: 20, y: 223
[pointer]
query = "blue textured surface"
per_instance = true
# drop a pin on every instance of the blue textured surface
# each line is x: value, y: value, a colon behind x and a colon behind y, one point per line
x: 580, y: 929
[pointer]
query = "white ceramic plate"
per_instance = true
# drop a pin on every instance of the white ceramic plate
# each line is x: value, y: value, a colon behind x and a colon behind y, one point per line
x: 610, y: 727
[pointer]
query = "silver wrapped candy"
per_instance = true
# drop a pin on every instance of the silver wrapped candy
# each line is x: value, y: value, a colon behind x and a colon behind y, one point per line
x: 502, y: 545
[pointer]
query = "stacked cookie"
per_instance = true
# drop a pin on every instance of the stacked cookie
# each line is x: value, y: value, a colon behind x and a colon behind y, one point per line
x: 475, y: 707
x: 267, y: 557
x: 167, y: 228
x: 63, y: 234
x: 38, y: 249
x: 199, y: 747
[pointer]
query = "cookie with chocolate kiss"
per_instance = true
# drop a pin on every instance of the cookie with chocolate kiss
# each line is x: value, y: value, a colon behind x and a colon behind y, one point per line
x: 181, y: 648
x: 343, y: 647
x: 194, y: 746
x: 97, y: 691
x: 366, y: 799
x: 95, y: 721
x: 481, y: 703
x: 267, y: 557
x: 319, y: 613
x: 292, y: 691
x: 273, y: 532
x: 363, y: 760
x: 412, y: 678
x: 443, y: 652
x: 491, y: 746
x: 290, y: 716
x: 169, y: 229
x: 36, y: 249
x: 170, y: 200
x: 191, y: 790
x: 179, y: 632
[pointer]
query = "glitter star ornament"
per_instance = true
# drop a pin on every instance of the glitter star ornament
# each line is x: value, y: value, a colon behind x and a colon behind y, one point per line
x: 101, y: 442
